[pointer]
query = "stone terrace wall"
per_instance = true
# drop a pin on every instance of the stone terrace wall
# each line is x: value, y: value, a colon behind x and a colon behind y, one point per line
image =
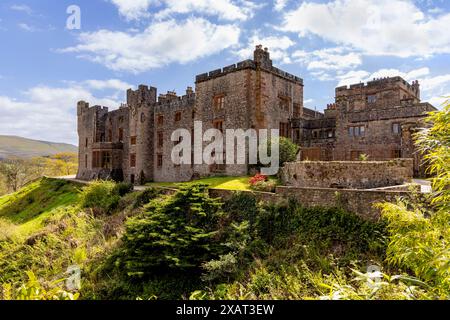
x: 360, y: 202
x: 347, y: 174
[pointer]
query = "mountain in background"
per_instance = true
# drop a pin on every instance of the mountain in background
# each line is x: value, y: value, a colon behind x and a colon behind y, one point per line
x: 12, y: 146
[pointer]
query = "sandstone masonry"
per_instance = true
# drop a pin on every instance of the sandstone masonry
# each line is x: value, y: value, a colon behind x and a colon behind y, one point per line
x: 133, y: 143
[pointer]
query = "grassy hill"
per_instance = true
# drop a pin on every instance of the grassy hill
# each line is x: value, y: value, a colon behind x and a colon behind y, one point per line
x: 12, y: 146
x: 50, y: 225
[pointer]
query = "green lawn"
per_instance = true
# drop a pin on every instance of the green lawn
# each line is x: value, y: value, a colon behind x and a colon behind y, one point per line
x: 226, y: 183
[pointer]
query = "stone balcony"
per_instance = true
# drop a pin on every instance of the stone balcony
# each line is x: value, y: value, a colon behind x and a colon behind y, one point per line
x: 98, y: 146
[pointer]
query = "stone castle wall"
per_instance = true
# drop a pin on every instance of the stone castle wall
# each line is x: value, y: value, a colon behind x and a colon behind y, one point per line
x: 347, y: 175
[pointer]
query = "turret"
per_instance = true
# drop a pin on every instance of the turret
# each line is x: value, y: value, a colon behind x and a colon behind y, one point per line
x: 143, y: 95
x: 81, y: 107
x: 416, y: 88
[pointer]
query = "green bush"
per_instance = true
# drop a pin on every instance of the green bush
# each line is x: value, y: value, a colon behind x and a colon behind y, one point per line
x: 176, y: 232
x: 123, y: 188
x: 101, y: 196
x: 264, y: 186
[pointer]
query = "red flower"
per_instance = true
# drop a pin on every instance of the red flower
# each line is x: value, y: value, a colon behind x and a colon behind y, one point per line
x: 258, y: 178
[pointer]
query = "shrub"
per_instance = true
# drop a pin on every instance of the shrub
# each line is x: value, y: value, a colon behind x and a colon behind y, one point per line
x: 264, y: 186
x: 176, y: 232
x: 220, y: 270
x: 123, y: 188
x: 101, y: 196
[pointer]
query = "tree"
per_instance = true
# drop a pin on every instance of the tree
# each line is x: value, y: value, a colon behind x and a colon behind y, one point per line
x: 288, y: 150
x: 62, y: 164
x: 419, y: 233
x: 16, y: 172
x: 177, y: 232
x: 434, y: 143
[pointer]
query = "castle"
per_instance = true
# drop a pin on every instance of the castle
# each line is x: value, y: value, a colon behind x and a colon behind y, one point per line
x: 133, y: 143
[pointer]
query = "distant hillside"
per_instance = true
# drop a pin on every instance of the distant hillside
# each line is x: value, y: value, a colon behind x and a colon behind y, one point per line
x: 12, y: 146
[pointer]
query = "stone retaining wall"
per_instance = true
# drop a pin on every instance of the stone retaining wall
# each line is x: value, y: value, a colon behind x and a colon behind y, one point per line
x: 347, y: 174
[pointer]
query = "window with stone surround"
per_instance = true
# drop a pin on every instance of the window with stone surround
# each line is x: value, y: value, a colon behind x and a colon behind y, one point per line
x: 160, y: 120
x: 372, y: 98
x: 284, y: 129
x: 160, y: 139
x: 101, y: 159
x: 178, y: 117
x: 96, y: 159
x: 106, y: 160
x: 284, y: 103
x: 396, y: 128
x: 357, y: 131
x: 219, y: 102
x: 133, y: 140
x: 121, y: 134
x: 133, y: 160
x: 297, y: 110
x: 159, y: 160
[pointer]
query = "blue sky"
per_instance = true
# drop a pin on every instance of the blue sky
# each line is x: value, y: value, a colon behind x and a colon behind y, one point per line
x: 46, y: 68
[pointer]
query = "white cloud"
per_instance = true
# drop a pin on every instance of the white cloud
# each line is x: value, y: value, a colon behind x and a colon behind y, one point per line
x: 22, y: 8
x: 328, y: 59
x: 375, y: 27
x: 133, y: 9
x: 277, y: 46
x: 279, y: 5
x: 160, y: 44
x: 353, y: 77
x: 27, y: 27
x: 108, y: 84
x: 49, y: 113
x: 224, y: 9
x: 436, y: 89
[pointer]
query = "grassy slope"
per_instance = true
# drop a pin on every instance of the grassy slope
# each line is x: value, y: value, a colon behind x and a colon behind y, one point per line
x: 225, y: 183
x: 28, y: 207
x: 22, y: 147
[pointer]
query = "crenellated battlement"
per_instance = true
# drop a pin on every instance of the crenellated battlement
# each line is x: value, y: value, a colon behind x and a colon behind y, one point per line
x: 381, y: 84
x: 261, y: 60
x: 246, y: 64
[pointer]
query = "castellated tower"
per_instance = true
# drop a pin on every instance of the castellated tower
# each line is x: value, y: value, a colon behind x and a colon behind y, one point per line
x: 139, y: 162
